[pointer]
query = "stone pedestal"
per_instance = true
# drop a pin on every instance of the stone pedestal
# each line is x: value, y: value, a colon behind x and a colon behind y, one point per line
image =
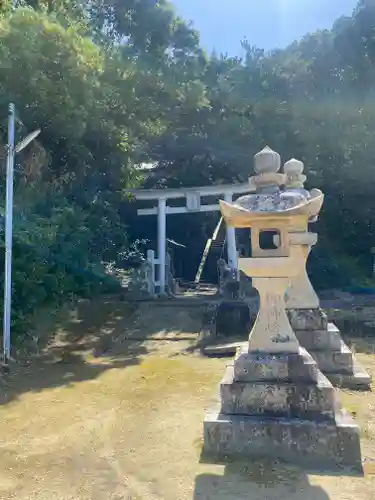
x: 280, y: 406
x: 324, y: 343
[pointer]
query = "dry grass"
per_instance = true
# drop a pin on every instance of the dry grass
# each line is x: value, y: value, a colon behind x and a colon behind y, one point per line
x: 128, y: 424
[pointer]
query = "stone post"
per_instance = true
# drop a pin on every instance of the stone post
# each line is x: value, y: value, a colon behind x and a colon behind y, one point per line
x: 151, y: 280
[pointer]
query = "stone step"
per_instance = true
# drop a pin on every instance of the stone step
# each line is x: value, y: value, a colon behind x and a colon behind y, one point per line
x: 358, y: 380
x: 263, y: 367
x: 335, y: 361
x: 278, y: 399
x: 320, y: 340
x: 331, y: 444
x: 224, y: 349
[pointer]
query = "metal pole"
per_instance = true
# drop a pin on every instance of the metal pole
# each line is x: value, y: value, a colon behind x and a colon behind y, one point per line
x: 8, y: 234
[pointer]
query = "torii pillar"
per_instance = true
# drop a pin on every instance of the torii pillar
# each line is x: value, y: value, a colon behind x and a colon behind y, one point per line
x: 162, y: 238
x: 231, y: 239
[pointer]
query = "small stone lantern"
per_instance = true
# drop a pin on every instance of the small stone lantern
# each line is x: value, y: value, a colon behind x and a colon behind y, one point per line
x: 301, y: 294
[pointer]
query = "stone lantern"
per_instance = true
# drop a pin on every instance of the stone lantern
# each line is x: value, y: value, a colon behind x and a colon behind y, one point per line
x: 309, y: 322
x: 301, y: 293
x: 274, y: 401
x: 274, y: 269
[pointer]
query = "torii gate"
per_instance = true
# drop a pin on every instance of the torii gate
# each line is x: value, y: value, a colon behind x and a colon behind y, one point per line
x: 193, y: 204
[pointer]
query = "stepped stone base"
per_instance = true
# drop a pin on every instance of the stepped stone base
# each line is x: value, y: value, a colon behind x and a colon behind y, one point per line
x: 335, y: 361
x: 275, y: 399
x: 298, y: 441
x: 321, y: 340
x: 358, y: 380
x: 280, y: 406
x: 324, y: 342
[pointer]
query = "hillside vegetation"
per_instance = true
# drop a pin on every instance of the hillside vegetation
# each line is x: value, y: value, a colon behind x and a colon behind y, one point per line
x: 115, y: 83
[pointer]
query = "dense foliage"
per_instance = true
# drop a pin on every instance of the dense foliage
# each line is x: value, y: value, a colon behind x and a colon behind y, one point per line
x: 115, y: 83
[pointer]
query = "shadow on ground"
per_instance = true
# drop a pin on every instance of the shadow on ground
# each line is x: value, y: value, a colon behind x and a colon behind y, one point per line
x: 83, y: 342
x: 257, y: 481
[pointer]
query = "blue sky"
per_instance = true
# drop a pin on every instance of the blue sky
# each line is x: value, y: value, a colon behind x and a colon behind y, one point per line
x: 265, y: 23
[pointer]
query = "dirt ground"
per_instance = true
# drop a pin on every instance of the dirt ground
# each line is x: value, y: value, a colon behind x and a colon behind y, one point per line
x: 113, y: 409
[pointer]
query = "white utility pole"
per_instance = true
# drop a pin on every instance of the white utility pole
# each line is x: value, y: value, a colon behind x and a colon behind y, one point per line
x: 11, y: 151
x: 8, y: 232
